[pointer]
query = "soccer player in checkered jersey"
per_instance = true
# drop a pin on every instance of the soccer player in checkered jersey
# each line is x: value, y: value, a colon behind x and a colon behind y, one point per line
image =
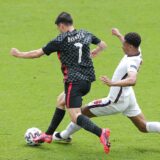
x: 72, y: 47
x: 121, y: 98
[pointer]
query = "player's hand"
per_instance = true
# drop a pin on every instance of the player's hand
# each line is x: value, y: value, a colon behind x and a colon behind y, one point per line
x: 15, y: 52
x: 106, y: 80
x: 116, y: 32
x: 93, y: 53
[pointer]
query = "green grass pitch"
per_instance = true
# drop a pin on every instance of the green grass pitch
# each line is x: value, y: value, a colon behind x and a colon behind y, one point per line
x: 28, y: 88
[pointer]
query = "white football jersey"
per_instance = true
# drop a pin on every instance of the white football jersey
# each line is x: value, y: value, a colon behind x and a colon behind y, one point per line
x: 127, y: 64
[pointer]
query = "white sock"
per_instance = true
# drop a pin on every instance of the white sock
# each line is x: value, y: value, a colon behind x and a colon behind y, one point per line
x: 71, y: 128
x: 153, y: 127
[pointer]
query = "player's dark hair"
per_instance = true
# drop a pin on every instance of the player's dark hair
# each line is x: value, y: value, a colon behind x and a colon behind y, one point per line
x: 133, y: 38
x: 64, y: 18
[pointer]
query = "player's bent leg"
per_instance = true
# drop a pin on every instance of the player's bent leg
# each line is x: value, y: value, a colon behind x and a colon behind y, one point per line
x: 86, y: 110
x: 74, y: 93
x: 145, y: 126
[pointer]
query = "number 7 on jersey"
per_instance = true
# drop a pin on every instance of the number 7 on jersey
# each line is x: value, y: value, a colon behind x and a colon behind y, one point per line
x: 79, y: 45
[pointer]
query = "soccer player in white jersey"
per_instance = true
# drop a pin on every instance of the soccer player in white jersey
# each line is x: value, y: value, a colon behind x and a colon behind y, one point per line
x: 121, y: 98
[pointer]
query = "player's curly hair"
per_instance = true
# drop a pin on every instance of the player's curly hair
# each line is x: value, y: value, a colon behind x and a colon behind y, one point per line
x: 64, y: 18
x: 133, y: 38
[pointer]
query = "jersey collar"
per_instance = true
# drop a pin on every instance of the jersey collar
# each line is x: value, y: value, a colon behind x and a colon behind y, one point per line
x: 134, y: 55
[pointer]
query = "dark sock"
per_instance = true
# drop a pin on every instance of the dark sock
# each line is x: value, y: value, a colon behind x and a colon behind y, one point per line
x: 56, y: 120
x: 88, y: 125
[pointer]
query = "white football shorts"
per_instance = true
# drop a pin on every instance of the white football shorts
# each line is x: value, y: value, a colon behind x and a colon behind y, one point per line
x: 128, y: 106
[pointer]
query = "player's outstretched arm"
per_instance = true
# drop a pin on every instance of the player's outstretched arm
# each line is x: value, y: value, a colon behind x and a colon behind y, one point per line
x: 31, y: 54
x: 100, y: 47
x: 129, y: 81
x: 116, y: 32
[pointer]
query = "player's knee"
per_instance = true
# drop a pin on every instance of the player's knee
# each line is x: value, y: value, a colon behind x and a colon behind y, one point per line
x: 74, y: 120
x: 74, y: 117
x: 61, y: 100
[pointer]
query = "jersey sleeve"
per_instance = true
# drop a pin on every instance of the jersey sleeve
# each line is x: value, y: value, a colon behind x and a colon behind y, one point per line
x: 52, y: 46
x: 95, y: 40
x: 133, y: 66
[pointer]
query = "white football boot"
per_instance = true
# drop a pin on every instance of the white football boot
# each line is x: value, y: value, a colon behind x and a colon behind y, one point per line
x: 57, y: 138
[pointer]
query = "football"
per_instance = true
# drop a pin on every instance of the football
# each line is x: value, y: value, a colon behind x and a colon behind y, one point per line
x: 30, y: 134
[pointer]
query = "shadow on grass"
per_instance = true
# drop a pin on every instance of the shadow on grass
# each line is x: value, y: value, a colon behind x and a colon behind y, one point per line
x: 62, y: 143
x: 46, y: 147
x: 38, y: 147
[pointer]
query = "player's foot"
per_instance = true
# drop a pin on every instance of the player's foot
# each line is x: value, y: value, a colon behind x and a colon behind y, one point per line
x: 104, y: 139
x: 43, y: 138
x: 57, y: 137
